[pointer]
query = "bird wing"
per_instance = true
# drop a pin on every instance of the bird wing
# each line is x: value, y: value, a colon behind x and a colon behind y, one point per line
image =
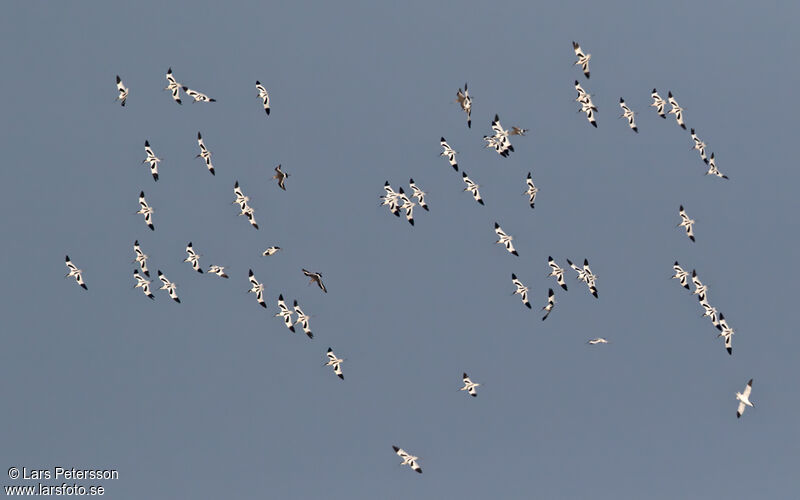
x: 748, y: 389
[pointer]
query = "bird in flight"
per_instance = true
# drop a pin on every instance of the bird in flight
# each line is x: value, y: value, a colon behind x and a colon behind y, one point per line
x: 193, y: 258
x: 335, y: 362
x: 556, y: 272
x: 198, y: 96
x: 686, y: 223
x: 76, y: 273
x: 152, y: 160
x: 658, y: 103
x: 218, y: 270
x: 205, y: 154
x: 408, y: 459
x: 712, y: 168
x: 258, y: 289
x: 532, y: 190
x: 246, y: 209
x: 173, y: 86
x: 263, y: 95
x: 418, y: 194
x: 499, y: 141
x: 681, y: 275
x: 168, y: 286
x: 628, y: 114
x: 271, y: 251
x: 407, y: 205
x: 585, y: 275
x: 469, y: 386
x: 285, y: 313
x: 463, y: 99
x: 744, y: 399
x: 726, y: 332
x: 551, y: 302
x: 504, y: 239
x: 302, y: 319
x: 676, y: 110
x: 598, y: 340
x: 472, y: 188
x: 123, y: 92
x: 141, y: 258
x: 147, y: 211
x: 143, y: 283
x: 315, y: 277
x: 281, y: 176
x: 521, y: 290
x: 700, y: 146
x: 583, y: 59
x: 699, y: 288
x: 390, y: 199
x: 449, y: 153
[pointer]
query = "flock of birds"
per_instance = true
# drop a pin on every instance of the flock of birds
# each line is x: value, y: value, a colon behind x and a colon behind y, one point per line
x: 399, y: 201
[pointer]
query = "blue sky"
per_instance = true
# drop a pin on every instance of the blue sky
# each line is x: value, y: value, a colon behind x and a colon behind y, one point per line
x: 214, y: 398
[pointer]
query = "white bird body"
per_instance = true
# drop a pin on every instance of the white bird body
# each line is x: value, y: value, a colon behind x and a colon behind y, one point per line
x: 141, y: 258
x: 197, y: 96
x: 676, y: 110
x: 598, y: 340
x: 408, y: 459
x: 469, y: 386
x: 193, y: 258
x: 143, y: 283
x: 285, y: 313
x: 146, y: 210
x: 628, y: 114
x: 557, y: 272
x: 551, y: 302
x: 472, y: 187
x: 205, y: 154
x: 173, y: 86
x: 263, y: 95
x: 465, y: 101
x: 271, y: 251
x: 169, y: 286
x: 449, y: 153
x: 712, y: 168
x: 505, y: 239
x: 531, y: 191
x: 335, y: 362
x: 123, y: 92
x: 681, y: 275
x: 418, y: 194
x: 152, y: 160
x: 218, y: 270
x: 258, y: 289
x: 521, y: 290
x: 686, y: 223
x: 74, y: 272
x: 583, y: 59
x: 744, y: 399
x: 302, y: 319
x: 658, y: 103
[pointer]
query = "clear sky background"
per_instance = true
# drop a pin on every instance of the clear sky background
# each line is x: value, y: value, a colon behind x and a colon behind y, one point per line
x: 214, y: 398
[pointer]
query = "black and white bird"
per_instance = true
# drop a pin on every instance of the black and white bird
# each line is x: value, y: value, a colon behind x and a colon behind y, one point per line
x: 472, y: 188
x: 271, y: 251
x: 198, y: 96
x: 589, y: 109
x: 193, y: 258
x: 557, y: 272
x: 744, y: 399
x: 169, y: 286
x: 681, y: 275
x: 123, y: 92
x: 628, y: 114
x: 521, y: 290
x: 257, y: 288
x: 315, y: 278
x: 658, y: 103
x: 598, y: 340
x: 699, y: 288
x: 218, y: 270
x: 582, y: 94
x: 152, y: 160
x: 173, y: 86
x: 143, y: 283
x: 335, y: 362
x: 241, y: 199
x: 700, y: 146
x: 505, y: 239
x: 551, y: 302
x: 391, y: 199
x: 141, y: 258
x: 710, y: 312
x: 147, y: 211
x: 302, y: 319
x: 465, y: 101
x: 408, y: 459
x: 469, y: 386
x: 249, y: 212
x: 418, y: 194
x: 205, y: 154
x: 285, y: 313
x: 583, y: 59
x: 76, y: 273
x: 499, y: 141
x: 531, y: 191
x: 281, y: 176
x: 591, y: 278
x: 263, y: 95
x: 712, y: 168
x: 449, y: 153
x: 686, y: 223
x: 676, y: 110
x: 407, y: 205
x: 726, y: 332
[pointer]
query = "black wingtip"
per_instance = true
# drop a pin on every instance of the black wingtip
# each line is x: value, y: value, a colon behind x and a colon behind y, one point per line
x: 84, y: 286
x: 730, y: 351
x: 683, y: 126
x: 267, y: 110
x: 341, y: 376
x: 481, y: 202
x: 263, y: 304
x: 528, y: 305
x: 513, y: 276
x: 515, y: 253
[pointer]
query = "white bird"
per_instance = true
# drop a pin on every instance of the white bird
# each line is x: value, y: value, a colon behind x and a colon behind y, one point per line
x: 463, y: 98
x: 676, y: 110
x: 205, y: 154
x: 408, y: 459
x: 168, y: 286
x: 590, y: 278
x: 147, y: 211
x: 700, y: 146
x: 418, y: 194
x: 628, y: 114
x: 658, y: 103
x: 521, y: 290
x: 152, y: 160
x: 249, y: 212
x: 581, y: 273
x: 598, y: 340
x: 582, y: 94
x: 469, y: 386
x: 143, y: 283
x: 316, y: 278
x: 699, y: 288
x: 408, y: 206
x: 173, y: 86
x: 198, y: 96
x: 218, y: 270
x: 744, y: 399
x: 500, y: 140
x: 589, y: 108
x: 726, y: 332
x: 686, y: 223
x: 285, y: 313
x: 472, y: 188
x: 504, y: 239
x: 123, y: 92
x: 258, y: 289
x: 263, y: 95
x: 681, y: 275
x: 241, y: 199
x: 76, y: 273
x: 710, y: 312
x: 271, y: 251
x: 193, y: 258
x: 390, y: 199
x: 712, y: 168
x: 583, y: 59
x: 556, y: 272
x: 449, y: 153
x: 532, y: 190
x: 335, y: 362
x: 551, y: 302
x: 302, y: 319
x: 281, y: 176
x: 141, y: 258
